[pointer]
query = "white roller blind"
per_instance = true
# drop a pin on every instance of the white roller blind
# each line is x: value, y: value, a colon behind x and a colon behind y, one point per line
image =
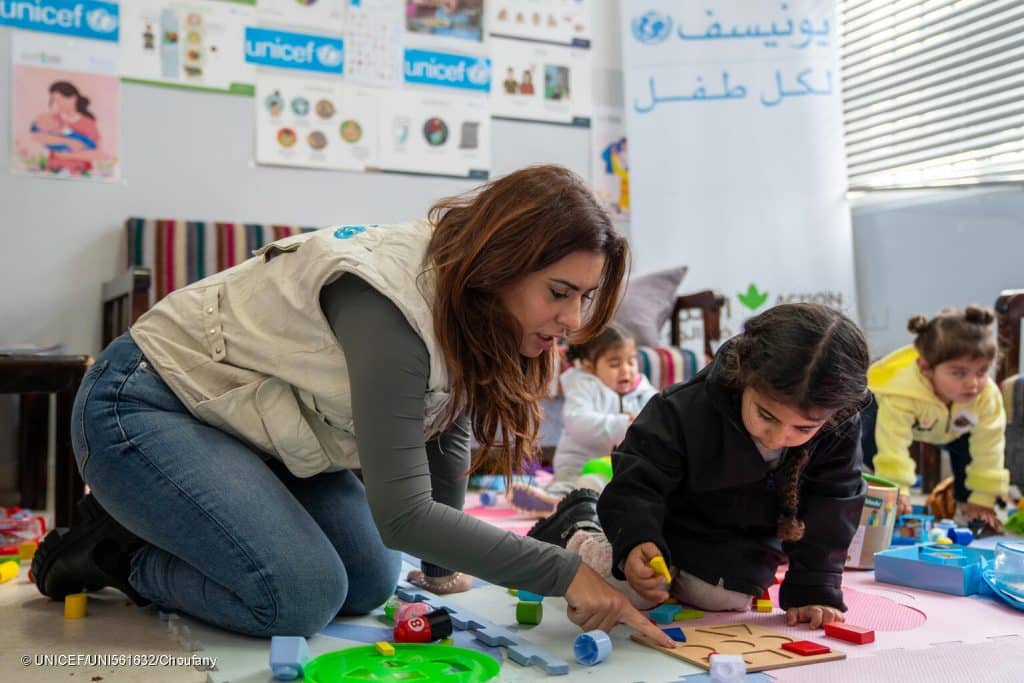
x: 933, y: 92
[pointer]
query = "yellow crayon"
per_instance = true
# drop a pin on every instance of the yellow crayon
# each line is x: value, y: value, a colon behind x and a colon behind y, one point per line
x: 658, y: 565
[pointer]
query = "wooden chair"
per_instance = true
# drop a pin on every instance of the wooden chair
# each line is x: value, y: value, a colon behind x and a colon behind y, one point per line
x: 125, y: 298
x: 1009, y: 311
x: 710, y: 305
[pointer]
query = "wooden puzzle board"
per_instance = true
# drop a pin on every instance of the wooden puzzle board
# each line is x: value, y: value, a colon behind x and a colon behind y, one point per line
x: 760, y: 647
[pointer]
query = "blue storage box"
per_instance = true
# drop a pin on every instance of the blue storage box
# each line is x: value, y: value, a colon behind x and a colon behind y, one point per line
x: 934, y: 567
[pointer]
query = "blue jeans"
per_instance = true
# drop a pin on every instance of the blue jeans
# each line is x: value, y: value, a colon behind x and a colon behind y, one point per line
x: 959, y: 451
x: 233, y: 538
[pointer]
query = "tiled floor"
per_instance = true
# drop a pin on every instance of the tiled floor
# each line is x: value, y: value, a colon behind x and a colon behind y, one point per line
x: 32, y: 626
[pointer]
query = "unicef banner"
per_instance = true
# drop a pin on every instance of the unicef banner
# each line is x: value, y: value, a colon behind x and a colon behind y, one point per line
x: 76, y: 18
x: 737, y: 169
x: 288, y: 50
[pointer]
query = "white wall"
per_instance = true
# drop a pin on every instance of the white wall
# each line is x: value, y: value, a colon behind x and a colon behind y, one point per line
x: 922, y: 253
x: 188, y: 155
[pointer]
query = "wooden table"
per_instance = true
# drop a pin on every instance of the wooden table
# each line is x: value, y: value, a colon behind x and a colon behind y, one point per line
x: 35, y: 378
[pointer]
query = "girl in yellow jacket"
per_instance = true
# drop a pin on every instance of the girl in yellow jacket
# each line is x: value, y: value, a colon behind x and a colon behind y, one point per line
x: 939, y: 391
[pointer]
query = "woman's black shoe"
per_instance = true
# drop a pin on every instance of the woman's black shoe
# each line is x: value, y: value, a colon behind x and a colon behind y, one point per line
x: 94, y: 553
x: 576, y: 512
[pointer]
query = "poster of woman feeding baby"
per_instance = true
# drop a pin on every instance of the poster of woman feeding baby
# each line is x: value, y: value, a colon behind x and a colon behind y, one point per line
x: 65, y: 122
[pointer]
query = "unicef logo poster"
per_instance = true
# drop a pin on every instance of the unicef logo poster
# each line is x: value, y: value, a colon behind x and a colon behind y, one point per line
x: 79, y: 18
x: 651, y: 28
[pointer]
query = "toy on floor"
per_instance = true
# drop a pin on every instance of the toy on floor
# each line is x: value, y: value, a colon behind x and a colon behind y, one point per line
x: 933, y: 566
x: 763, y: 605
x: 408, y: 610
x: 426, y: 628
x: 520, y: 650
x: 911, y: 529
x: 18, y: 526
x: 960, y: 535
x: 676, y: 634
x: 665, y: 613
x: 8, y: 570
x: 806, y: 648
x: 687, y: 614
x: 1008, y: 569
x: 760, y: 648
x: 877, y: 520
x: 391, y: 606
x: 727, y: 668
x: 850, y: 633
x: 408, y: 662
x: 529, y: 612
x: 75, y: 606
x: 592, y: 647
x: 288, y: 657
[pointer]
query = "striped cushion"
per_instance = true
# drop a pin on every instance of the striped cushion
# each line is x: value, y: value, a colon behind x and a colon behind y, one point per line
x: 181, y: 252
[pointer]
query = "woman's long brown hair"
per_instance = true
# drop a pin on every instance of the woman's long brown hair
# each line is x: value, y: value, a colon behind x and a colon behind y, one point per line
x: 484, y: 241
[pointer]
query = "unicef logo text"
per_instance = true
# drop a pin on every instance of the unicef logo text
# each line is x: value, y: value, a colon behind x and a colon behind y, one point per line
x: 652, y: 27
x: 95, y: 19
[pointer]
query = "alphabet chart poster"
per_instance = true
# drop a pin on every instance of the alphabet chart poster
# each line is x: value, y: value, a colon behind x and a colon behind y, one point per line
x: 373, y: 43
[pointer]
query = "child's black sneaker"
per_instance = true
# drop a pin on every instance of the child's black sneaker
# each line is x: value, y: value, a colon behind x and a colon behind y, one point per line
x: 576, y: 512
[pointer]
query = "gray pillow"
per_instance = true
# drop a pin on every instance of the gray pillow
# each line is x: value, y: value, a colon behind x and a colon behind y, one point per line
x: 647, y: 305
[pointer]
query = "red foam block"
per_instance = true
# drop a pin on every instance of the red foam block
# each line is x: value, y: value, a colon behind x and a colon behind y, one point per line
x: 850, y: 633
x: 806, y: 648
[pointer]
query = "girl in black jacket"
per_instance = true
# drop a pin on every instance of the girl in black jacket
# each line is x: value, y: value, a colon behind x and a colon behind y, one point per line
x: 725, y: 476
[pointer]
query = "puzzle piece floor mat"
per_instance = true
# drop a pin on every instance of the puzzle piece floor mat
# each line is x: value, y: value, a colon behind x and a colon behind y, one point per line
x: 901, y: 617
x: 971, y: 627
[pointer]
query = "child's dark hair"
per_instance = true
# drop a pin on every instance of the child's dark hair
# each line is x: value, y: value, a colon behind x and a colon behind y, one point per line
x: 609, y: 338
x: 806, y: 356
x: 954, y: 334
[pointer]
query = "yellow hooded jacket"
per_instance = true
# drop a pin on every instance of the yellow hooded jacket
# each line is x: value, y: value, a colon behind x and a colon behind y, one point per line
x: 909, y: 410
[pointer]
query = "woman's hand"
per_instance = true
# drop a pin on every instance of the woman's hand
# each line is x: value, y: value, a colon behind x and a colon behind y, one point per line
x: 644, y: 580
x: 971, y: 511
x: 593, y: 604
x: 903, y: 506
x: 441, y: 585
x: 815, y: 615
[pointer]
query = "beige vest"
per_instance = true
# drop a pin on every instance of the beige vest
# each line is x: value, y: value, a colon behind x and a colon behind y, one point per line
x: 248, y: 350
